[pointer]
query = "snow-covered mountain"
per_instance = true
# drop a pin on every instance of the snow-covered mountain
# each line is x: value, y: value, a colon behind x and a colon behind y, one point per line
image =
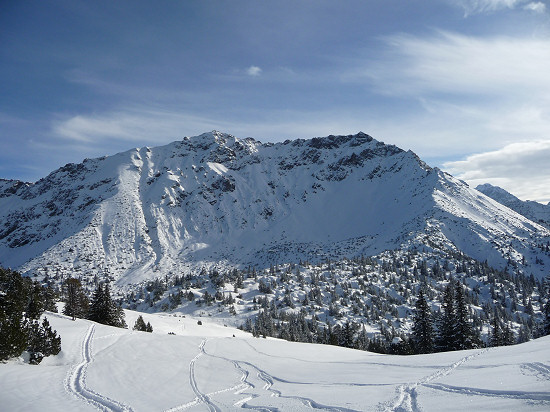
x: 535, y: 211
x: 214, y: 199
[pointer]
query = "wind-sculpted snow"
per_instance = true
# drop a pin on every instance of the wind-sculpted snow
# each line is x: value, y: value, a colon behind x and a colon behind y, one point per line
x: 211, y: 367
x: 215, y: 200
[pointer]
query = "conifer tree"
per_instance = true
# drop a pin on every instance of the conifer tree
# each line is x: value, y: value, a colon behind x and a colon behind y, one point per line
x: 14, y: 291
x: 76, y: 301
x: 423, y: 335
x: 464, y: 334
x: 495, y: 338
x: 21, y: 304
x: 446, y: 339
x: 546, y: 307
x: 104, y: 310
x: 140, y: 324
x: 43, y: 341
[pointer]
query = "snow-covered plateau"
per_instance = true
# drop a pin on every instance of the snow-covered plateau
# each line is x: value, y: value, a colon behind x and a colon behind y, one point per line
x: 213, y: 367
x: 218, y: 201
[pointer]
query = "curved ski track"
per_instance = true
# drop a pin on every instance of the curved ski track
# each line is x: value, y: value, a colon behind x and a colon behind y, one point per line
x: 265, y: 380
x: 406, y: 400
x: 202, y: 397
x: 75, y: 382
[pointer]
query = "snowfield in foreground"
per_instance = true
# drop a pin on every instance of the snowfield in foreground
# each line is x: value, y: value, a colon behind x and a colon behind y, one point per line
x: 210, y: 367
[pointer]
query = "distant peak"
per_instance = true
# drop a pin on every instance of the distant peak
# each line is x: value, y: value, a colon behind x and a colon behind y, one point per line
x: 496, y: 192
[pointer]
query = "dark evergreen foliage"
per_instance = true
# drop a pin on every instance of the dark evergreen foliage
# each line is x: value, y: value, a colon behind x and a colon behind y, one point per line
x: 22, y: 302
x: 376, y: 291
x: 43, y: 341
x: 142, y: 326
x: 423, y: 332
x: 465, y: 336
x: 446, y: 337
x: 104, y: 310
x: 76, y: 301
x: 546, y: 307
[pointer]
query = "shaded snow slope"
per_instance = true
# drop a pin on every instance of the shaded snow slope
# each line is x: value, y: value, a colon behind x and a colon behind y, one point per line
x: 535, y: 211
x: 214, y: 199
x: 206, y: 368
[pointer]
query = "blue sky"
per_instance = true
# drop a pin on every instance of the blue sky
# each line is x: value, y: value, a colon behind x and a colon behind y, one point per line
x: 463, y: 83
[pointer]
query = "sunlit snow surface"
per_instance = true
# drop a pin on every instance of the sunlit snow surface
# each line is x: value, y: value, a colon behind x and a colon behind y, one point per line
x: 210, y: 367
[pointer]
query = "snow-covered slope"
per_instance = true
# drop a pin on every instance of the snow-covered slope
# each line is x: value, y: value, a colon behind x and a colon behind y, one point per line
x: 207, y: 368
x: 535, y: 211
x: 214, y: 199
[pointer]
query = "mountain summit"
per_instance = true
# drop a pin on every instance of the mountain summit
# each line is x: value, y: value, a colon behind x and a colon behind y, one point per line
x: 216, y: 200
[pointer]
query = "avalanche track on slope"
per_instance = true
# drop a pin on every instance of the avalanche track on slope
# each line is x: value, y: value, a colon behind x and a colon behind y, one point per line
x: 75, y: 382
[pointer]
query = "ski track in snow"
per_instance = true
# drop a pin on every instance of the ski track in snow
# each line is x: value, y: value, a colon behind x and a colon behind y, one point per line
x: 200, y: 397
x: 75, y: 382
x: 267, y: 380
x: 192, y: 380
x: 541, y: 397
x: 540, y: 370
x: 407, y: 395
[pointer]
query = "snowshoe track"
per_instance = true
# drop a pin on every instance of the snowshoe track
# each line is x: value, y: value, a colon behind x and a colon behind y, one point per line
x: 75, y: 382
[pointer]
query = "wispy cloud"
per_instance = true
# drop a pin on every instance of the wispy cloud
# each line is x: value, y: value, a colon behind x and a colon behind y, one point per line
x: 253, y: 71
x: 537, y: 7
x: 153, y: 127
x: 462, y: 65
x: 521, y: 168
x: 472, y: 7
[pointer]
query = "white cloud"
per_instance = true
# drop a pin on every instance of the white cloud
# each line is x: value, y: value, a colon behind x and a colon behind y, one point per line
x: 537, y: 7
x: 462, y: 65
x: 253, y: 71
x: 154, y: 127
x: 471, y: 7
x: 130, y: 125
x: 472, y: 93
x: 521, y: 168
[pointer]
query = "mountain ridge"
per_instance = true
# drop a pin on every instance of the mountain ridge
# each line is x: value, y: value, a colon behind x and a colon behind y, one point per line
x: 535, y: 211
x: 214, y: 200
